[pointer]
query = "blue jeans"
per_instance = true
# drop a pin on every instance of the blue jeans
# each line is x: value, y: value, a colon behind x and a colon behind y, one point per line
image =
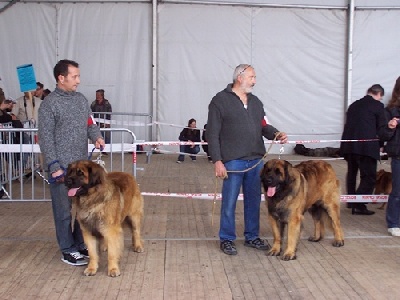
x: 68, y: 240
x: 251, y: 185
x: 188, y: 149
x: 393, y: 206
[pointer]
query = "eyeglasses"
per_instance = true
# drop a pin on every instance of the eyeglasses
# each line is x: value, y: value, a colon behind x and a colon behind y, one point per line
x: 241, y: 72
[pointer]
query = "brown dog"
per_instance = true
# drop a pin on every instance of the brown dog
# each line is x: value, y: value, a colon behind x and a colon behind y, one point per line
x: 291, y: 191
x: 103, y: 201
x: 383, y: 184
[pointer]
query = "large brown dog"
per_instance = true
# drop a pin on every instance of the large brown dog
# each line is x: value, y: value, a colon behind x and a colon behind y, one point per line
x: 291, y: 191
x: 383, y: 184
x: 103, y: 201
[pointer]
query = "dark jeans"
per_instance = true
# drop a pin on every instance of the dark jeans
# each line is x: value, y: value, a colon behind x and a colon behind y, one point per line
x: 367, y: 167
x: 69, y: 240
x: 188, y: 149
x: 393, y: 206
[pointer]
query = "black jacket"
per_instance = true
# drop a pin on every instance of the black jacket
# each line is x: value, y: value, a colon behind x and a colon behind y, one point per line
x: 392, y: 147
x: 190, y: 135
x: 234, y: 132
x: 365, y: 120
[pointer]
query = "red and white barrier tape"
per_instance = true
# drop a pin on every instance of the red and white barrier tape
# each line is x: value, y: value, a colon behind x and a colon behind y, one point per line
x: 210, y: 196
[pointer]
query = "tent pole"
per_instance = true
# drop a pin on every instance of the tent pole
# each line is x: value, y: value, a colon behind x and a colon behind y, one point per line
x: 349, y: 55
x: 154, y: 128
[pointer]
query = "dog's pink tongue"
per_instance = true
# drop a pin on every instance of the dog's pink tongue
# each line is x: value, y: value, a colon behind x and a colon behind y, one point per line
x: 72, y: 192
x: 271, y: 191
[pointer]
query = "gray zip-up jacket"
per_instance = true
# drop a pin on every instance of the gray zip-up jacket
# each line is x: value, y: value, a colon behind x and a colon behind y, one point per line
x: 234, y: 132
x: 64, y: 128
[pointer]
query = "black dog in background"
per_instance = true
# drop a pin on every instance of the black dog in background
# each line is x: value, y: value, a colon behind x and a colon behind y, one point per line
x: 317, y: 152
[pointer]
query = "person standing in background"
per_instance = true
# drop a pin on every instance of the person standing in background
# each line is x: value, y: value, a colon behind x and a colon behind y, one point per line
x: 26, y: 109
x: 365, y: 120
x: 102, y: 109
x: 205, y: 147
x: 39, y: 90
x: 392, y: 148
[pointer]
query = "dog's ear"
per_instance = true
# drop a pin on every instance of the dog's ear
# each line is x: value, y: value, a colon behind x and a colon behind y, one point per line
x: 286, y: 167
x: 95, y: 174
x: 263, y: 170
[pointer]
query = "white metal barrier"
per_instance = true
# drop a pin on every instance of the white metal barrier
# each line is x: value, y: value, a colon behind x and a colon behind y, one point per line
x: 140, y: 123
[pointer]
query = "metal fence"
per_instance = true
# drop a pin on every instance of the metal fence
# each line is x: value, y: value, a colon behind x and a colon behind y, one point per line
x: 23, y: 176
x: 139, y: 123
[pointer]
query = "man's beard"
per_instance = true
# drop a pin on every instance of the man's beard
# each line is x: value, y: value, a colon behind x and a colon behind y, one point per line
x: 247, y: 90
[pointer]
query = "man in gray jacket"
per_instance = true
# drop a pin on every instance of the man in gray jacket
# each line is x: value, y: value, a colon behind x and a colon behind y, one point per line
x: 235, y: 129
x: 65, y: 124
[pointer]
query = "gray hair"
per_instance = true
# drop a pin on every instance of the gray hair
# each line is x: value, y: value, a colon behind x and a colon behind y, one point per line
x: 239, y: 70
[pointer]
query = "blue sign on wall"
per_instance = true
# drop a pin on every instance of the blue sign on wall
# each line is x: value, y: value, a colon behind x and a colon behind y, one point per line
x: 26, y: 77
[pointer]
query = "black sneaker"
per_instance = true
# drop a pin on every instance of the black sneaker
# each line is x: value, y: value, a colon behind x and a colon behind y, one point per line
x: 258, y: 244
x: 84, y: 252
x: 228, y: 247
x: 74, y: 259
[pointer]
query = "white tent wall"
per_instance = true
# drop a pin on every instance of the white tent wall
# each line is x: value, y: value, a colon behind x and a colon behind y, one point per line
x: 28, y: 35
x: 111, y: 42
x: 299, y: 55
x: 376, y: 51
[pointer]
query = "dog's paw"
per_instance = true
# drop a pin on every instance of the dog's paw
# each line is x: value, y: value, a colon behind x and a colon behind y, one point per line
x: 138, y: 248
x: 314, y: 239
x: 273, y: 252
x: 89, y: 271
x: 339, y: 243
x: 114, y: 272
x: 288, y: 256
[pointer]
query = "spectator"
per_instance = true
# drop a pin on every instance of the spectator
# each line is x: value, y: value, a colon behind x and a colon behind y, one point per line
x: 235, y: 129
x: 392, y: 149
x: 102, y: 109
x: 39, y: 90
x: 2, y: 97
x: 5, y: 111
x: 189, y: 134
x: 365, y: 120
x: 46, y: 92
x: 205, y: 147
x: 65, y: 125
x: 26, y: 108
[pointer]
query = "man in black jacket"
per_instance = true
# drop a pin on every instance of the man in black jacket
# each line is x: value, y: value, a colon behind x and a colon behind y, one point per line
x: 365, y: 120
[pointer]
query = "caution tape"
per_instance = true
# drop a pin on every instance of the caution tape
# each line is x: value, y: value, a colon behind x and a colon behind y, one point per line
x: 210, y: 196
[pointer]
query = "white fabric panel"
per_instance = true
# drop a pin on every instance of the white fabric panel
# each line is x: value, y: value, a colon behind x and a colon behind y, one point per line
x: 112, y: 44
x: 27, y: 37
x: 298, y: 56
x: 198, y: 55
x: 376, y: 51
